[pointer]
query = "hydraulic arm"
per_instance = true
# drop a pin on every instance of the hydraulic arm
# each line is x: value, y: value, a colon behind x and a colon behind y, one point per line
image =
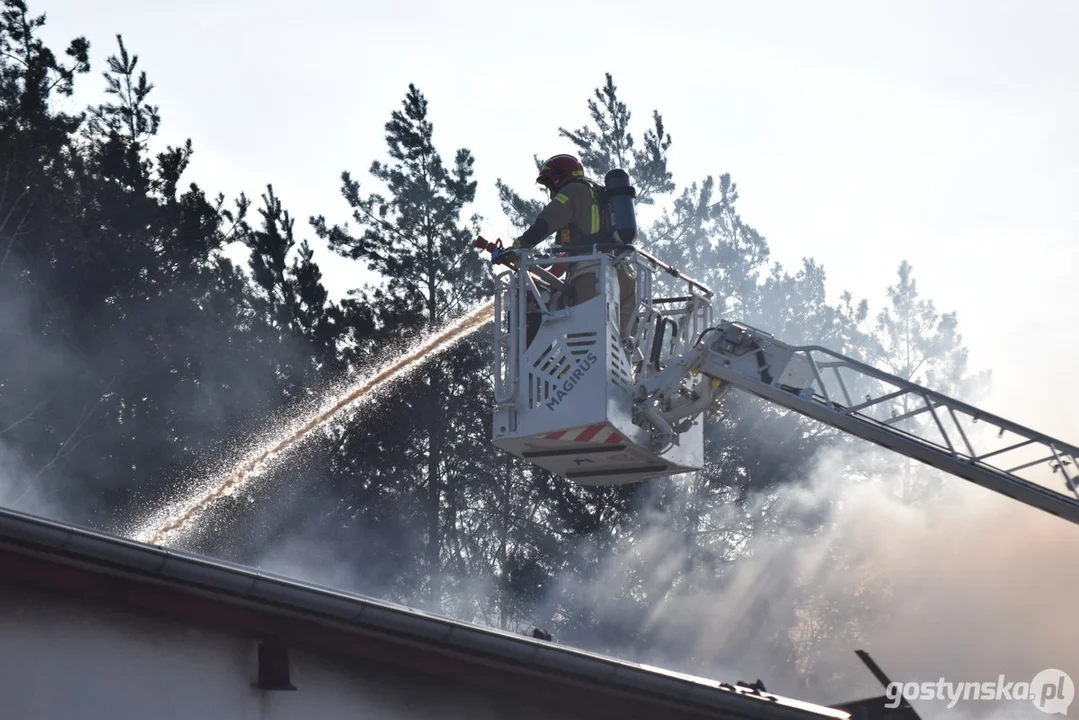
x: 870, y: 404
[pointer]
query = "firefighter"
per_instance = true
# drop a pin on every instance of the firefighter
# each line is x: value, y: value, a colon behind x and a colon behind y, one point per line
x: 574, y: 213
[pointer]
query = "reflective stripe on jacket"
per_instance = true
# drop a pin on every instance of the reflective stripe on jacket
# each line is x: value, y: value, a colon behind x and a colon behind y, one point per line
x: 574, y: 214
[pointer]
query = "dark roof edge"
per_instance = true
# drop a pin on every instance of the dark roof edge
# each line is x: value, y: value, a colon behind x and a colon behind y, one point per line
x: 367, y: 615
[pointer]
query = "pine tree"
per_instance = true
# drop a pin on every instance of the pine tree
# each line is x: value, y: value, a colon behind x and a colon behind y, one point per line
x: 416, y: 238
x: 917, y: 343
x: 607, y: 145
x: 292, y: 299
x: 139, y: 346
x: 33, y: 214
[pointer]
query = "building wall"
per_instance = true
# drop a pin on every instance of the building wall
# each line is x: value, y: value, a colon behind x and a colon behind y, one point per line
x: 61, y: 659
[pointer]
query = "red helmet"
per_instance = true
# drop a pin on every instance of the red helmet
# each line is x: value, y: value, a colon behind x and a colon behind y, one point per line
x: 559, y: 170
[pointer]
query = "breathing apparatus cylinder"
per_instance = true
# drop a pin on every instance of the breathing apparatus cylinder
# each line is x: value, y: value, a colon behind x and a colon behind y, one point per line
x: 620, y: 195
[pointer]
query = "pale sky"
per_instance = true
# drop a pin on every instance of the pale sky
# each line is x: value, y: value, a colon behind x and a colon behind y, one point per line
x: 859, y: 133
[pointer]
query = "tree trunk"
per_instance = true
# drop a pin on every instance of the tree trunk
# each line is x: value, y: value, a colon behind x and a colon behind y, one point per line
x: 434, y: 456
x: 504, y: 594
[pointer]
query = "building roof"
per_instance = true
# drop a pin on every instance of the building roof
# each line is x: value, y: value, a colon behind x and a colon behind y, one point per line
x: 241, y: 600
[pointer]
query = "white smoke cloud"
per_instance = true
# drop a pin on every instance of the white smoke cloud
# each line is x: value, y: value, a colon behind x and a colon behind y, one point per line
x: 967, y: 586
x: 20, y: 489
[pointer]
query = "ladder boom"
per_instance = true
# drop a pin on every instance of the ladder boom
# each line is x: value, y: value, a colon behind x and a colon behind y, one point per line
x: 602, y: 396
x: 865, y: 402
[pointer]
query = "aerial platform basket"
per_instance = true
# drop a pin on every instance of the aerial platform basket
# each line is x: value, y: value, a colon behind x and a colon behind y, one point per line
x: 575, y: 397
x: 564, y: 401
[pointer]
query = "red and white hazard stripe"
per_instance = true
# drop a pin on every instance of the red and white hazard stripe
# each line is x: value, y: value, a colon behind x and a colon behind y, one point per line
x: 600, y: 433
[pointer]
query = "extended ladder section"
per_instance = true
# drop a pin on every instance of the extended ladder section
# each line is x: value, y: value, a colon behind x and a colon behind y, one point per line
x: 886, y: 410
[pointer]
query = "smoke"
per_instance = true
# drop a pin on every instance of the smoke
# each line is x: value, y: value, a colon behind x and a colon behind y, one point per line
x: 982, y: 586
x: 19, y: 489
x: 29, y: 365
x: 962, y: 584
x: 317, y: 558
x: 178, y: 516
x: 966, y: 586
x: 317, y: 561
x: 97, y: 423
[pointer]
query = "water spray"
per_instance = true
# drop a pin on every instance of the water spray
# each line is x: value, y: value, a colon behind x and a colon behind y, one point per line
x: 427, y: 347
